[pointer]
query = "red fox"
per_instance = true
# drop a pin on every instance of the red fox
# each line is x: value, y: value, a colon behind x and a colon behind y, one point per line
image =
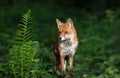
x: 65, y: 46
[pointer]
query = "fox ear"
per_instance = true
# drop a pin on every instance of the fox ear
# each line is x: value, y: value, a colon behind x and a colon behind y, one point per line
x: 69, y: 22
x: 58, y: 22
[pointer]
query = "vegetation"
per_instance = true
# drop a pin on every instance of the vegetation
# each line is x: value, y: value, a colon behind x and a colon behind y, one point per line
x: 26, y: 44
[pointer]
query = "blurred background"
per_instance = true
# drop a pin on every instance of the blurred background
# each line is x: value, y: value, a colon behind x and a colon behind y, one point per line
x: 97, y: 23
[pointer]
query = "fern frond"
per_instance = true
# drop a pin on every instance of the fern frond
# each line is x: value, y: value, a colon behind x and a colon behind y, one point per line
x: 24, y: 32
x: 24, y: 50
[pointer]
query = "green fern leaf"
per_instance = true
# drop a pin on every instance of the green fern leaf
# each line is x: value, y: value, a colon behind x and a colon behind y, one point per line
x: 24, y: 50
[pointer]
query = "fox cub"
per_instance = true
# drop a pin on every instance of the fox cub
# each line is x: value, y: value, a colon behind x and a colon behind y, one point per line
x: 65, y: 46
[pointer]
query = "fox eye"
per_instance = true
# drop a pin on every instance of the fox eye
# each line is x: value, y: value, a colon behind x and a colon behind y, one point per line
x: 59, y: 32
x: 66, y: 32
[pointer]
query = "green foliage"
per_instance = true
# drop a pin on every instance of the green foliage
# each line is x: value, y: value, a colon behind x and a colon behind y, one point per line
x: 23, y: 54
x: 24, y: 33
x: 95, y: 53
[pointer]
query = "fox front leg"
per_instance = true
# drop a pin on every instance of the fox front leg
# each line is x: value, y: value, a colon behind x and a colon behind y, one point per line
x: 71, y: 59
x: 62, y: 64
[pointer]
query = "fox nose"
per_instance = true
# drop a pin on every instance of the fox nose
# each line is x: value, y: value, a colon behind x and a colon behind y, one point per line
x: 60, y: 38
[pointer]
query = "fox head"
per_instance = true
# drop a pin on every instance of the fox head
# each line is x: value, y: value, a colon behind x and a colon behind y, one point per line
x: 66, y: 30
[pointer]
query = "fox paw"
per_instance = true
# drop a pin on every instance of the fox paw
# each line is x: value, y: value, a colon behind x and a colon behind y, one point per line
x: 71, y: 75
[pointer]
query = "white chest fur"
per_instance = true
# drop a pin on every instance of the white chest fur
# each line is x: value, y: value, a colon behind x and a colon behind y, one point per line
x: 68, y: 48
